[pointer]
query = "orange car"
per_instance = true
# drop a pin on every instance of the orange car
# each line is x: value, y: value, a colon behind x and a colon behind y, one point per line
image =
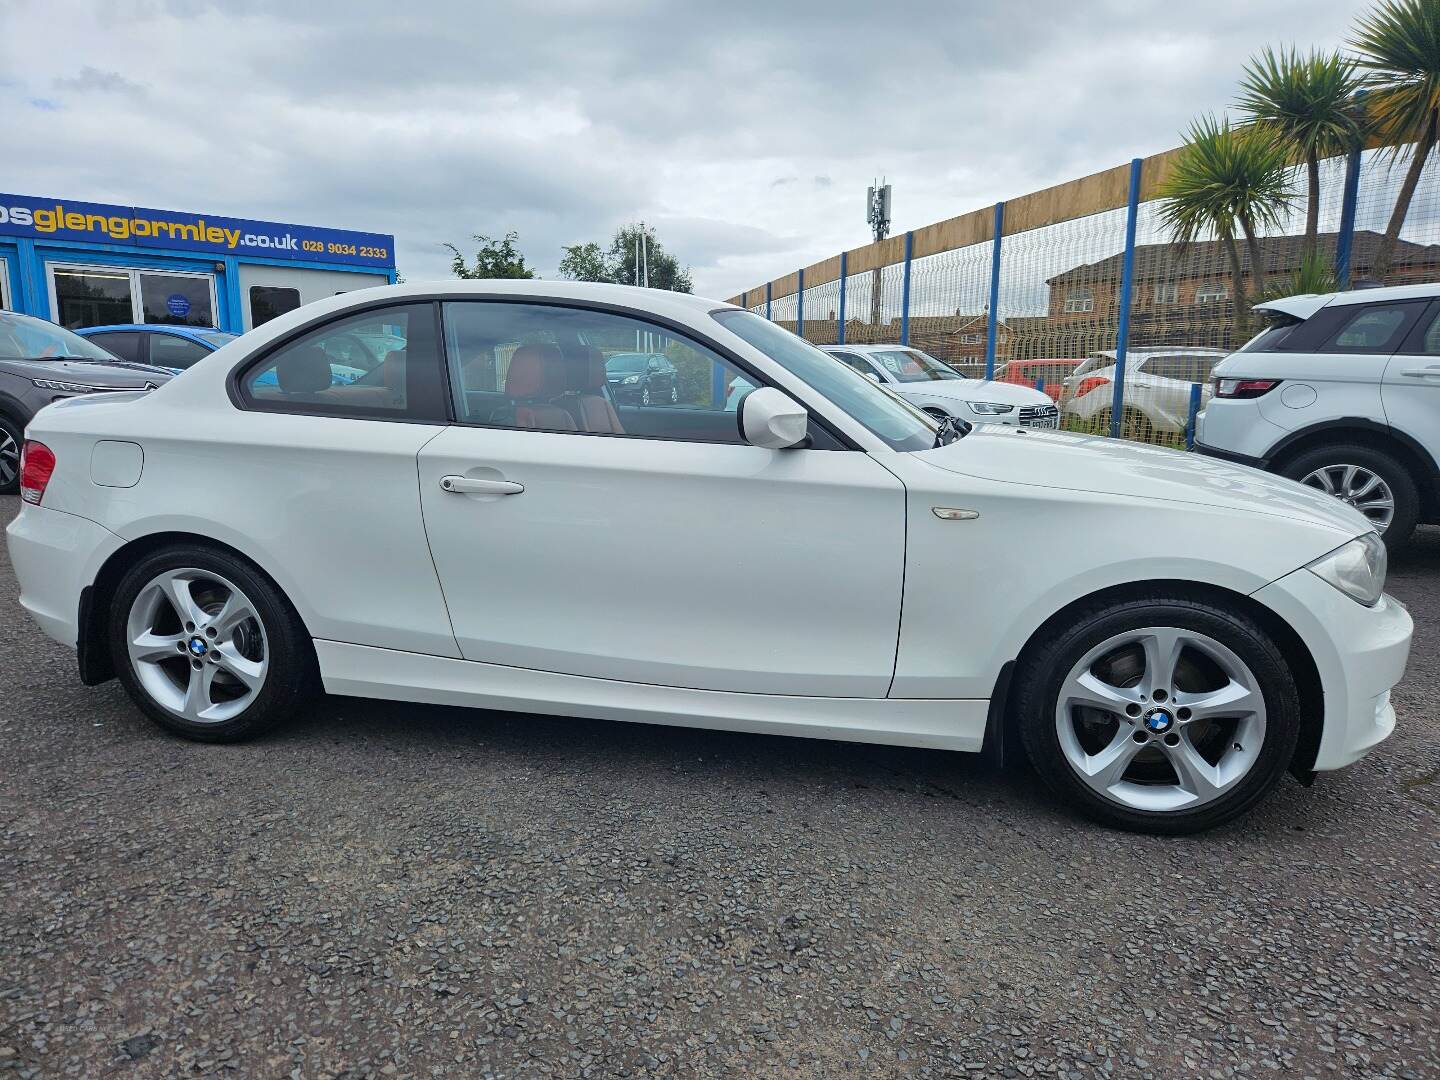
x: 1047, y: 375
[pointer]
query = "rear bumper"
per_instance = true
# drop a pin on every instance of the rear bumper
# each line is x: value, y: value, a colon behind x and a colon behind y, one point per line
x: 1360, y: 653
x: 55, y: 555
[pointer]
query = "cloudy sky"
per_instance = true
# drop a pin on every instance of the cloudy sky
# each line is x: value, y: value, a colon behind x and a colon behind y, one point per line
x: 745, y: 132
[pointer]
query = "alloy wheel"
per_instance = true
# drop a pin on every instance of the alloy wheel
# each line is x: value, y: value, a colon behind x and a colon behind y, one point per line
x: 197, y: 645
x: 9, y: 458
x: 1161, y: 719
x: 645, y: 396
x: 1363, y: 489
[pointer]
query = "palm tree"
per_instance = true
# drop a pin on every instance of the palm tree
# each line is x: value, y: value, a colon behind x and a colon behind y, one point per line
x: 1399, y: 52
x: 1232, y: 181
x: 1309, y: 103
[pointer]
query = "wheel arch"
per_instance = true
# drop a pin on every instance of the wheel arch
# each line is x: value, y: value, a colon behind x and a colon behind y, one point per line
x: 1004, y: 721
x: 96, y: 663
x: 1370, y: 434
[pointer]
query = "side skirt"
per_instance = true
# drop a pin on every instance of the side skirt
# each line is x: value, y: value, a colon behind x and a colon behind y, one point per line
x: 363, y: 671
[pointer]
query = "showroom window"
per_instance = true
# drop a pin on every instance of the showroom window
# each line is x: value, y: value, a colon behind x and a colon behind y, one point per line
x: 105, y: 295
x: 382, y: 364
x: 5, y: 302
x: 550, y: 368
x: 270, y: 302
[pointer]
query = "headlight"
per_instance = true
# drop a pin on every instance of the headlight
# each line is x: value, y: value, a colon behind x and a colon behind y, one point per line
x: 989, y: 408
x: 630, y: 380
x: 69, y: 387
x: 1356, y: 569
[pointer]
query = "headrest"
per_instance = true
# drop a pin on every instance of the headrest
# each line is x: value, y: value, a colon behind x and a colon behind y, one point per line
x: 305, y: 370
x: 584, y: 368
x: 535, y: 371
x: 393, y: 370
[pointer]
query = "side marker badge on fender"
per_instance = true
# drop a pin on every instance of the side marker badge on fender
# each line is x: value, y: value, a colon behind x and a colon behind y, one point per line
x: 950, y: 513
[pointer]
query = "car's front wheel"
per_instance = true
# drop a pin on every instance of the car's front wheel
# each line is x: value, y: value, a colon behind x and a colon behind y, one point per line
x: 1162, y: 715
x: 1370, y: 480
x: 207, y: 646
x: 11, y: 436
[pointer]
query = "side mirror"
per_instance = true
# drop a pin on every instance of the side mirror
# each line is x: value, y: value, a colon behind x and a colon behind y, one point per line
x: 772, y: 419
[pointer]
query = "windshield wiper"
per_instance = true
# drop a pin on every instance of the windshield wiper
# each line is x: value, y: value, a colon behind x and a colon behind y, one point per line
x: 951, y: 429
x: 48, y: 359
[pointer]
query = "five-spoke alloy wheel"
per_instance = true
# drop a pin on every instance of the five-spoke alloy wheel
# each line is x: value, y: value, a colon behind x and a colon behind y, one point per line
x: 1168, y: 714
x: 206, y: 645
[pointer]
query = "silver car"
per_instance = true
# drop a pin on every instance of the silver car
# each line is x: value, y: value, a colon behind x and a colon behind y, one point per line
x: 40, y: 363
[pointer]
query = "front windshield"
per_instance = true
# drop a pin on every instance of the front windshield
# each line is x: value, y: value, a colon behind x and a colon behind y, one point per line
x: 626, y: 362
x: 898, y: 424
x: 912, y: 365
x: 25, y: 338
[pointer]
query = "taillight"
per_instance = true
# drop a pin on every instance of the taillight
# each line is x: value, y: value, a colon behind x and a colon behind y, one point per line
x: 1094, y: 382
x: 1244, y: 388
x: 37, y: 465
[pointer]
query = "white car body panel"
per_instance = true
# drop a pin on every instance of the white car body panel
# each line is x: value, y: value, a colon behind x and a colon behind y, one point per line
x: 1165, y: 402
x: 747, y: 546
x: 781, y: 616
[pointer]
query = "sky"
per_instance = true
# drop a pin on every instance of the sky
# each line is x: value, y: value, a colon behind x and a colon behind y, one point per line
x: 746, y: 133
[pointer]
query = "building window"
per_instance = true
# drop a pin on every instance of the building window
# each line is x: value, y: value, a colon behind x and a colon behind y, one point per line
x: 972, y: 339
x: 1211, y: 294
x: 270, y: 302
x: 4, y: 283
x: 105, y: 295
x: 1078, y: 300
x: 1167, y: 292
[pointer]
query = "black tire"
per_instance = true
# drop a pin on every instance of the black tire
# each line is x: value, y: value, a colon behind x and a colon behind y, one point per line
x: 291, y: 676
x: 1046, y: 664
x: 1391, y: 471
x: 12, y: 434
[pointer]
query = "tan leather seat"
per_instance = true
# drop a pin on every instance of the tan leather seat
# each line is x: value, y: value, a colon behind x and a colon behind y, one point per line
x: 585, y: 384
x: 534, y: 379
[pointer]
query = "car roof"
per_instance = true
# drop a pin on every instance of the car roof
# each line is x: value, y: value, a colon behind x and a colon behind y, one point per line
x: 152, y: 328
x: 1303, y: 305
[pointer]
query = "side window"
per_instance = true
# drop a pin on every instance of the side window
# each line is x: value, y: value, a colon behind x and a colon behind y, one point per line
x: 124, y: 344
x: 545, y: 367
x: 322, y: 373
x: 1430, y: 343
x: 269, y: 302
x: 167, y: 350
x: 1373, y: 328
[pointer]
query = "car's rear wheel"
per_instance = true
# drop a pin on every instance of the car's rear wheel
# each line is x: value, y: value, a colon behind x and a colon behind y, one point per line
x: 11, y: 436
x: 1162, y: 715
x: 1370, y: 480
x: 206, y: 645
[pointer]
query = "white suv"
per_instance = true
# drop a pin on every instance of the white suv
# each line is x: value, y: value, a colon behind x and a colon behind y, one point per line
x: 1342, y: 392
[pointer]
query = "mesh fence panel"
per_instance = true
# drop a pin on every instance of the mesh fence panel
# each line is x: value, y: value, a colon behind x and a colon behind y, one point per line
x: 873, y: 306
x: 950, y: 306
x: 1416, y: 256
x: 822, y: 313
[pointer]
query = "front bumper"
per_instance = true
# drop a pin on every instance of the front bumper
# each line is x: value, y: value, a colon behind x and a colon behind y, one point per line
x: 55, y: 555
x: 1360, y: 653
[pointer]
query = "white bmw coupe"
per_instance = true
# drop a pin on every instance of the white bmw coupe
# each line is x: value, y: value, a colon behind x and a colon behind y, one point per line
x: 478, y: 522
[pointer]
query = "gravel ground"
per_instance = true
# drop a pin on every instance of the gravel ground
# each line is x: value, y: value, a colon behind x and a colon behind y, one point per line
x: 386, y: 890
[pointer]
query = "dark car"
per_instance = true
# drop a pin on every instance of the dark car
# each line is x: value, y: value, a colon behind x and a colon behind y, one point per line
x: 40, y: 363
x: 642, y: 378
x: 173, y: 347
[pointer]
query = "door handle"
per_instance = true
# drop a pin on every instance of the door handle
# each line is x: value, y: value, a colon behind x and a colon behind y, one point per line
x: 465, y: 485
x: 1431, y: 372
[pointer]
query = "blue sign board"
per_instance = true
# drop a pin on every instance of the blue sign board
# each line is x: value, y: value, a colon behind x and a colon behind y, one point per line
x: 178, y: 304
x: 58, y: 219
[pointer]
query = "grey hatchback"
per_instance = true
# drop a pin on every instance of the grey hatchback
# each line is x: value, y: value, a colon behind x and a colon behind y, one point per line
x: 40, y: 363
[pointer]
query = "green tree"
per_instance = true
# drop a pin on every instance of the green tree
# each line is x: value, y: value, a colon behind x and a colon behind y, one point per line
x: 617, y: 264
x: 1309, y: 103
x: 585, y: 262
x: 494, y: 259
x: 1398, y: 46
x: 1232, y: 181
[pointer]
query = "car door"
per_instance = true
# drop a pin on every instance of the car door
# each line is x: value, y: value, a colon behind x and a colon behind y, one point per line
x: 175, y: 351
x: 1411, y: 388
x: 664, y: 550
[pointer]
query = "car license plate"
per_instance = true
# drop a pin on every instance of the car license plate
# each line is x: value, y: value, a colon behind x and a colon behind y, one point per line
x: 1052, y: 422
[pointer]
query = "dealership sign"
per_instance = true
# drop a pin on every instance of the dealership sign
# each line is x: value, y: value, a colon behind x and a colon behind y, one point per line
x: 57, y: 219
